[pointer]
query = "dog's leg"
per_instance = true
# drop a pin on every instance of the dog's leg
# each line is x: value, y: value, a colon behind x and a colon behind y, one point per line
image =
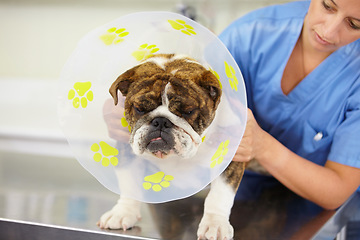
x: 215, y: 221
x: 123, y: 215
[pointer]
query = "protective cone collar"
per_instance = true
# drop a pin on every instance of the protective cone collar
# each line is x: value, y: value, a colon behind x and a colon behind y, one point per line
x: 106, y: 52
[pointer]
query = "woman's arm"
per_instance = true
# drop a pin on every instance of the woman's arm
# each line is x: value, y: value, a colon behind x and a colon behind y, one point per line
x: 328, y: 186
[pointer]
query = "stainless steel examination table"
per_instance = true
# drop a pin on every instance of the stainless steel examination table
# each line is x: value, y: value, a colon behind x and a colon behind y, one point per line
x: 51, y: 198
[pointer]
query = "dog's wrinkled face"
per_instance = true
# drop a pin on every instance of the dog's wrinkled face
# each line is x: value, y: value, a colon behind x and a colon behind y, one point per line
x: 170, y: 101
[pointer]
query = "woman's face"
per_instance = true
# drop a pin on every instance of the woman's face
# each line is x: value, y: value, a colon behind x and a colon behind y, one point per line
x: 331, y: 24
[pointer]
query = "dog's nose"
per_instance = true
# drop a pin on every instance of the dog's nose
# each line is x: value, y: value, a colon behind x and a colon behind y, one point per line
x: 161, y: 123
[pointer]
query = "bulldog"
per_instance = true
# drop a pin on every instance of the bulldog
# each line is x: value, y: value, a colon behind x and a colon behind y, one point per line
x: 170, y: 101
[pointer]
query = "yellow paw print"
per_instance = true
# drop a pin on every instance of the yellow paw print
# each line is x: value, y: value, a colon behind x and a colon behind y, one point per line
x: 81, y: 88
x: 124, y: 123
x: 157, y: 181
x: 114, y: 36
x: 182, y: 26
x: 145, y: 51
x: 218, y: 157
x: 231, y: 74
x: 216, y: 75
x: 107, y: 151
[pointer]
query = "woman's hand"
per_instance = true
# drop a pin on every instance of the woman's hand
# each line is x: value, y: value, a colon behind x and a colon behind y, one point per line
x: 251, y: 143
x: 112, y: 116
x: 328, y: 186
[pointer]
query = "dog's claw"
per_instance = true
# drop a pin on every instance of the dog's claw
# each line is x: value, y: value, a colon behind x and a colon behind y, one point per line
x: 124, y: 227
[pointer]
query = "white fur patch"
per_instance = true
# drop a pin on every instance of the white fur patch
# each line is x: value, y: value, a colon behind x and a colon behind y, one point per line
x: 184, y: 57
x: 164, y: 98
x: 161, y: 61
x: 220, y: 198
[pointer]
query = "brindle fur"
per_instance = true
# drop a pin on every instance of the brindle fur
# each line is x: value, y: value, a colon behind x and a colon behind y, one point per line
x: 189, y: 80
x: 234, y: 173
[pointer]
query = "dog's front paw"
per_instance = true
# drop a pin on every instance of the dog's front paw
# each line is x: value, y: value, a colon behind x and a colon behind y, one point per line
x: 121, y: 216
x: 213, y: 226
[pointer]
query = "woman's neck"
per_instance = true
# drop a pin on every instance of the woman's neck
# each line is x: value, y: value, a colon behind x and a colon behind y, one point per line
x: 311, y: 56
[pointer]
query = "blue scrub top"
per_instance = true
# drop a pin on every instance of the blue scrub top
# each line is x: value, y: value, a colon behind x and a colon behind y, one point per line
x: 320, y: 118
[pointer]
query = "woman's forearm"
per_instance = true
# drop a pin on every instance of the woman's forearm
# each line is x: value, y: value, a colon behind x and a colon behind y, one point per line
x: 328, y: 186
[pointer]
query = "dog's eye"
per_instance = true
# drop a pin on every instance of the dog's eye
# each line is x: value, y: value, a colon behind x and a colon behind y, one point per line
x: 187, y: 113
x: 139, y: 111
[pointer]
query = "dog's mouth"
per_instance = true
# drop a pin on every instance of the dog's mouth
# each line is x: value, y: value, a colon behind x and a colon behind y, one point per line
x: 160, y: 144
x: 156, y: 139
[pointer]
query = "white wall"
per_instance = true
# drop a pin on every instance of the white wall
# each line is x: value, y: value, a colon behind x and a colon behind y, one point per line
x: 37, y: 37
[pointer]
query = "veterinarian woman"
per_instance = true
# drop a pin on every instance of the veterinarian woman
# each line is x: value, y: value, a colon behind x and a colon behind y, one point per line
x: 301, y: 65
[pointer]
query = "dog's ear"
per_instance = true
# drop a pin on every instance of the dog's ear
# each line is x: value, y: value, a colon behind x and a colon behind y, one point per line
x: 212, y: 85
x: 122, y: 83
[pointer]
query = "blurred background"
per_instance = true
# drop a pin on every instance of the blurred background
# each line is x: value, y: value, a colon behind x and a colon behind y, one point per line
x: 37, y: 37
x: 40, y: 180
